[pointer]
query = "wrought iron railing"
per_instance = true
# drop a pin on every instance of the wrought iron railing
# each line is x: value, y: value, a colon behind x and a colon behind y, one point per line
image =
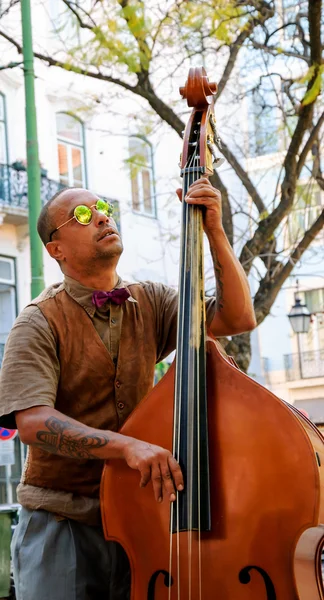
x: 304, y: 365
x: 13, y: 190
x: 13, y: 187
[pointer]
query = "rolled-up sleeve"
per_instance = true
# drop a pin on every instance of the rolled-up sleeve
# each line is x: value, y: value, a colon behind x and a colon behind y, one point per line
x: 30, y: 369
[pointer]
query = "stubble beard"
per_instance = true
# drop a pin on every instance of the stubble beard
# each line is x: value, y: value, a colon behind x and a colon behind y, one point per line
x: 105, y: 254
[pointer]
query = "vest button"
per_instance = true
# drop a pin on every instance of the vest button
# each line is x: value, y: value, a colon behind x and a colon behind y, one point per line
x: 113, y: 321
x: 120, y: 405
x: 118, y: 384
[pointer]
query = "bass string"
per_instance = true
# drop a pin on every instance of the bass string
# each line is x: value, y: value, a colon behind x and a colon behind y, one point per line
x: 194, y: 417
x: 191, y: 391
x: 179, y: 374
x: 196, y: 286
x: 192, y: 236
x: 178, y: 380
x: 177, y: 414
x: 198, y: 316
x: 186, y: 268
x: 191, y: 231
x: 200, y: 269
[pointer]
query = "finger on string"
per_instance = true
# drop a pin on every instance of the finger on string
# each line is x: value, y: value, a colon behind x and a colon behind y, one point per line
x: 167, y: 480
x: 176, y: 473
x: 145, y: 476
x: 156, y: 477
x: 203, y: 191
x: 202, y: 202
x: 201, y: 180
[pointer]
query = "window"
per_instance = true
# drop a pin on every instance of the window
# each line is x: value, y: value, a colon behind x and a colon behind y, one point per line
x: 142, y: 180
x: 3, y: 131
x: 290, y: 9
x: 263, y: 125
x: 306, y: 209
x: 64, y: 22
x: 9, y: 474
x: 314, y: 300
x: 70, y: 146
x: 7, y: 297
x: 294, y: 11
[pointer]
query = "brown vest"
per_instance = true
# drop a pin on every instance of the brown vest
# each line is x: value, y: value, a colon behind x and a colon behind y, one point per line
x: 91, y: 389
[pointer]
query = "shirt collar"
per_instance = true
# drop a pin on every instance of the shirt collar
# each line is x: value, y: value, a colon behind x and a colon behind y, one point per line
x: 83, y: 295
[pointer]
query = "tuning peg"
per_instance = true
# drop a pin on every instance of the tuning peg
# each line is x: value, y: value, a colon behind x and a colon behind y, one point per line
x: 218, y: 162
x: 217, y: 139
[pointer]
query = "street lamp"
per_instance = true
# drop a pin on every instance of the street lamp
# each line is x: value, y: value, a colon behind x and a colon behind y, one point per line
x: 300, y: 319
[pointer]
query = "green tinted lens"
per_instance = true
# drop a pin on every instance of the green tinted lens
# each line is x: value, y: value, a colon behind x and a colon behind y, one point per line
x: 83, y: 214
x: 104, y: 207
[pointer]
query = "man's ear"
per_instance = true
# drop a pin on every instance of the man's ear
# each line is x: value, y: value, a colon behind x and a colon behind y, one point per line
x: 55, y: 251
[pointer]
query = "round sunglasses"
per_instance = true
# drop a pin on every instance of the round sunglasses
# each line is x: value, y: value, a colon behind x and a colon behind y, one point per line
x: 83, y: 214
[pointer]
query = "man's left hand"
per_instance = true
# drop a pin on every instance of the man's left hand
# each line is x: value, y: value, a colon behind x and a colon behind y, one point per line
x: 202, y: 193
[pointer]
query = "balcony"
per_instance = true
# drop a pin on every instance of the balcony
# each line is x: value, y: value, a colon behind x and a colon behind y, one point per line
x: 14, y: 200
x: 305, y: 365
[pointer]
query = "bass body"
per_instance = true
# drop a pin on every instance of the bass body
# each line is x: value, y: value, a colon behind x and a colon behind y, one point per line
x: 266, y: 499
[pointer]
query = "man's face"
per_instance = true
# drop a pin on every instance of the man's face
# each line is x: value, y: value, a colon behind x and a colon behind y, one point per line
x: 82, y: 246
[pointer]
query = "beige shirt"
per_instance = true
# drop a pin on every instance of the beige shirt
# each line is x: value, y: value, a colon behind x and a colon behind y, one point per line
x: 31, y: 370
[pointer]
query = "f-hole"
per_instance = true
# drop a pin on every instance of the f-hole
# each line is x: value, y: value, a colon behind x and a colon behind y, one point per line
x: 244, y: 577
x: 168, y: 581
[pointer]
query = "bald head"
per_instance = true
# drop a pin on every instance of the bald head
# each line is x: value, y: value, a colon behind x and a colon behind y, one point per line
x: 47, y: 219
x: 45, y: 223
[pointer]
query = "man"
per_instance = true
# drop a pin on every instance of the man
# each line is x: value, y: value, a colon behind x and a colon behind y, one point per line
x: 85, y: 352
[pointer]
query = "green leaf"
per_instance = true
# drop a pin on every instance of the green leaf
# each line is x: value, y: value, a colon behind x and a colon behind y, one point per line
x: 315, y: 90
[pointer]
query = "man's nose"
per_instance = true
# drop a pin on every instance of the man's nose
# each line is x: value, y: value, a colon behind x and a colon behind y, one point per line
x: 100, y: 218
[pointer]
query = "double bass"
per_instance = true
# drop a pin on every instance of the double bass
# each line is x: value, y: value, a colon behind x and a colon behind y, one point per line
x: 249, y: 524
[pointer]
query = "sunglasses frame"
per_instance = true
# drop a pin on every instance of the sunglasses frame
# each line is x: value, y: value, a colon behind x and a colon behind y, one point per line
x: 110, y: 209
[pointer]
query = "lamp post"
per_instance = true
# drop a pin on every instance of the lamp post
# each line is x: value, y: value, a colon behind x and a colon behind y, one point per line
x: 299, y: 317
x: 33, y: 170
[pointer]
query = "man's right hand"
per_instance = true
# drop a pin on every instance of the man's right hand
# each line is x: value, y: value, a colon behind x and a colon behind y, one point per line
x: 50, y: 430
x: 157, y: 465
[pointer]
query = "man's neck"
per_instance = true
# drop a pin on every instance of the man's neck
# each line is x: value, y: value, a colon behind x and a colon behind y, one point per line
x: 99, y: 281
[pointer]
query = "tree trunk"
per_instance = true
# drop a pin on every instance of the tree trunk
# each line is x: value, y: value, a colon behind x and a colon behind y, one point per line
x: 239, y: 347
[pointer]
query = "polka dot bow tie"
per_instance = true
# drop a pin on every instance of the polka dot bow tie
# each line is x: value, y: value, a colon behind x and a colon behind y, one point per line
x: 118, y: 296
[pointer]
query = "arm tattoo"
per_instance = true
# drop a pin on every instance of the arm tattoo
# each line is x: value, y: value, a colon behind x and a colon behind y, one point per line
x: 219, y: 282
x: 67, y: 439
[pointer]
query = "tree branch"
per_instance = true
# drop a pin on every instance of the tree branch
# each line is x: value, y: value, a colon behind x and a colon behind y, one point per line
x: 80, y: 71
x: 9, y: 7
x: 273, y: 50
x: 76, y: 14
x: 162, y: 109
x: 226, y: 206
x: 140, y: 36
x: 243, y: 176
x: 309, y: 143
x: 266, y: 12
x: 11, y: 65
x: 269, y: 288
x: 268, y: 225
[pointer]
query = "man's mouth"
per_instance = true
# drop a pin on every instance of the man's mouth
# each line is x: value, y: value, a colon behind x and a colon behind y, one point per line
x: 107, y: 233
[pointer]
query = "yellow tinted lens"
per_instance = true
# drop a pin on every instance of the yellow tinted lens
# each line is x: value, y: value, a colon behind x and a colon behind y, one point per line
x: 83, y: 214
x: 104, y: 207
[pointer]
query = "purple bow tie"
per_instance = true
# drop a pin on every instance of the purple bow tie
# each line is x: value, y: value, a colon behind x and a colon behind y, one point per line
x: 118, y: 296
